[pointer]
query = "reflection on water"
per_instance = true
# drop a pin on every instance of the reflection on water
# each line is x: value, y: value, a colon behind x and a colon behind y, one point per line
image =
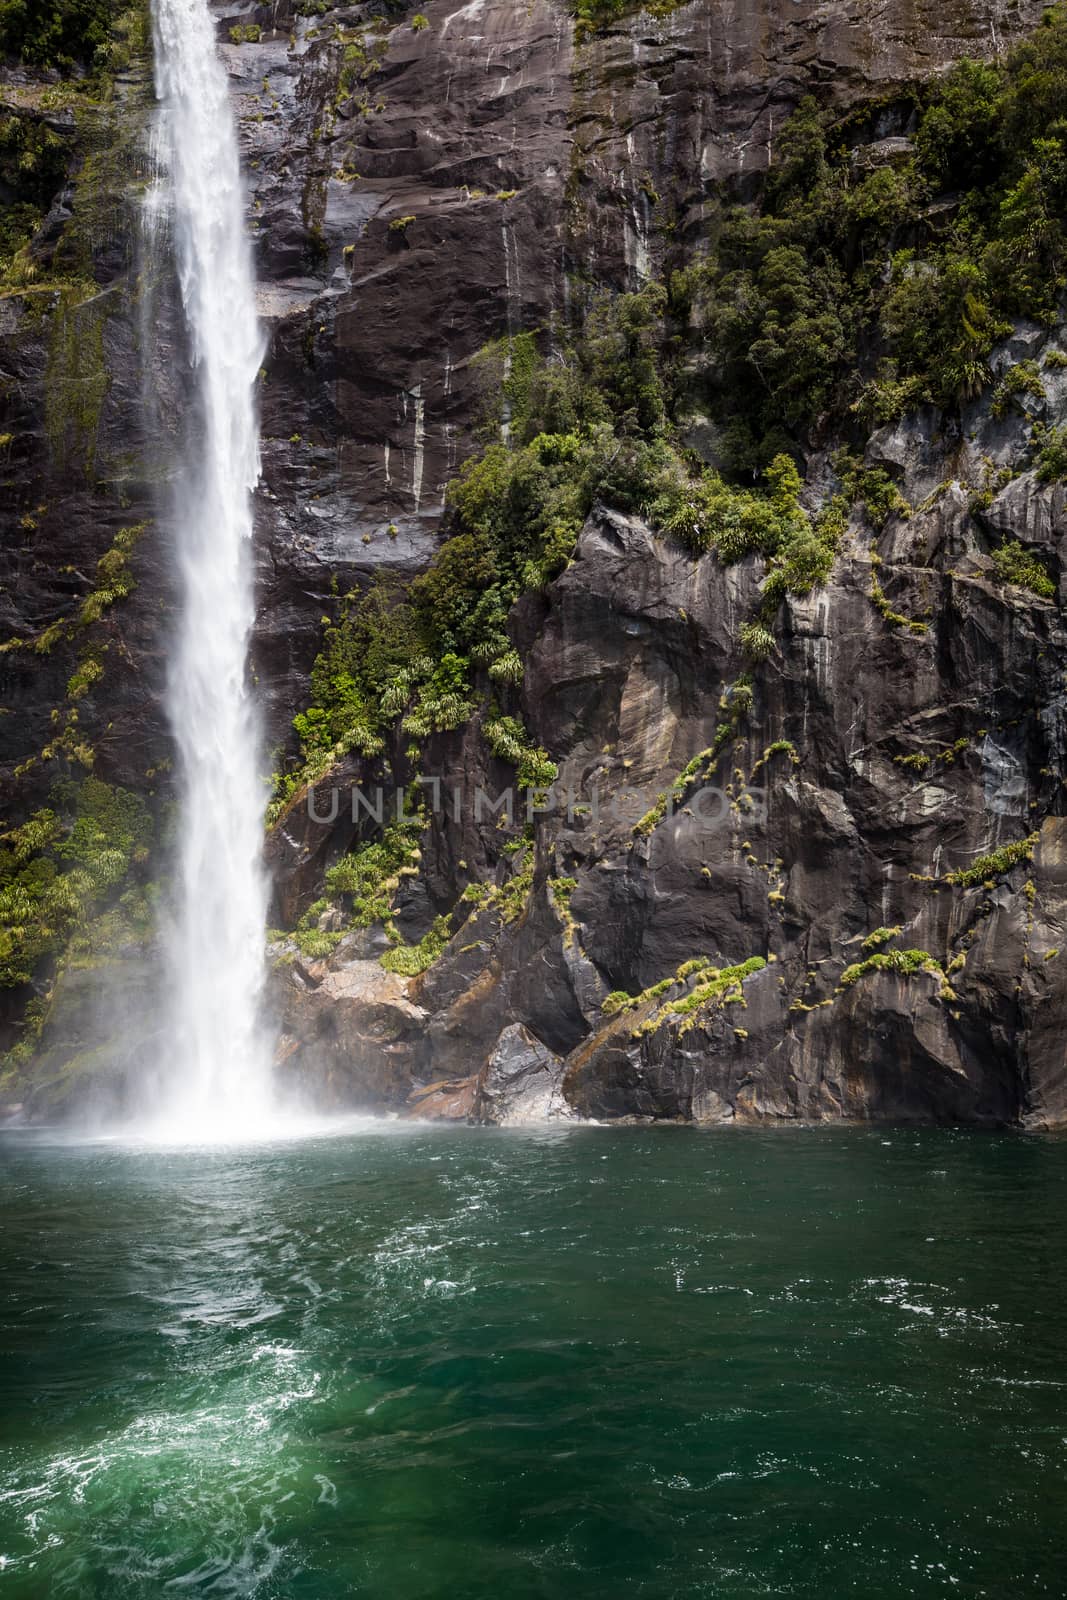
x: 419, y: 1362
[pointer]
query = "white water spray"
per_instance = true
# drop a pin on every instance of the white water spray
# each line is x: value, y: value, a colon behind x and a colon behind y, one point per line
x: 219, y: 1074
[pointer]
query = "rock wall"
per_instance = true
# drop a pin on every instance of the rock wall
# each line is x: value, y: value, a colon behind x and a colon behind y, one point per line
x: 487, y: 176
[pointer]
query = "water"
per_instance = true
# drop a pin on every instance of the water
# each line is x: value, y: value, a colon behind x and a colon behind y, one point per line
x: 586, y: 1362
x: 219, y: 1080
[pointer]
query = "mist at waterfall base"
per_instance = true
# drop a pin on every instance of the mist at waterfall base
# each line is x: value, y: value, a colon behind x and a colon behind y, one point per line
x: 580, y: 1362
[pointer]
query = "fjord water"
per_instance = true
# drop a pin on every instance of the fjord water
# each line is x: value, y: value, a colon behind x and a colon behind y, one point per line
x: 460, y: 1363
x: 218, y: 1078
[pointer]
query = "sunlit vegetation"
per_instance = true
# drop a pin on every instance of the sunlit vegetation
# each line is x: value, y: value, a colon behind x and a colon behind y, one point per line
x: 63, y: 866
x: 359, y: 890
x: 881, y: 287
x: 1014, y: 564
x: 70, y: 35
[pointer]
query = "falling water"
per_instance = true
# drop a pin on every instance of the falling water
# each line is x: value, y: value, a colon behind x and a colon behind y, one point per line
x: 219, y: 1074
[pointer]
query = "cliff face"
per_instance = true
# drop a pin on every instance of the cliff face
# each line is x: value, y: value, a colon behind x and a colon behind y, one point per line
x: 880, y: 804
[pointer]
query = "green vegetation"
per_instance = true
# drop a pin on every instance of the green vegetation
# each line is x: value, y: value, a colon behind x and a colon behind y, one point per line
x: 921, y: 763
x: 994, y: 865
x: 361, y: 886
x: 734, y: 707
x: 359, y: 893
x: 994, y: 479
x: 509, y: 899
x: 1014, y: 564
x: 714, y: 985
x: 592, y: 15
x: 871, y: 489
x: 826, y: 294
x: 77, y: 379
x: 89, y: 42
x: 792, y: 299
x: 705, y: 513
x: 507, y: 738
x: 757, y: 640
x: 1021, y: 380
x: 694, y: 769
x: 880, y: 601
x: 411, y: 959
x: 592, y: 422
x: 1052, y: 455
x: 114, y: 581
x: 879, y: 937
x: 779, y: 747
x: 360, y: 60
x: 419, y: 21
x: 904, y: 962
x: 62, y: 867
x: 246, y: 33
x: 70, y: 35
x: 804, y: 558
x: 33, y: 163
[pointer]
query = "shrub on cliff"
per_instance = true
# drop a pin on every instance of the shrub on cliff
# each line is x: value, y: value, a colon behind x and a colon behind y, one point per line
x: 790, y: 302
x: 65, y: 34
x: 1014, y: 564
x: 61, y: 867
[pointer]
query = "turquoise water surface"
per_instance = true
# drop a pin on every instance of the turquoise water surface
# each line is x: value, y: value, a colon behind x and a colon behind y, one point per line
x: 588, y: 1362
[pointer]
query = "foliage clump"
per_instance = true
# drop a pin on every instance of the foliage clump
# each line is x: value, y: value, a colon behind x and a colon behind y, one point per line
x: 590, y: 16
x: 1014, y: 564
x: 33, y: 163
x: 1023, y: 380
x: 904, y: 962
x: 832, y: 290
x: 62, y: 867
x: 1052, y: 456
x: 713, y: 985
x: 589, y: 423
x: 879, y: 937
x: 507, y: 738
x: 734, y: 707
x: 411, y: 959
x: 70, y: 35
x: 361, y: 885
x: 994, y: 865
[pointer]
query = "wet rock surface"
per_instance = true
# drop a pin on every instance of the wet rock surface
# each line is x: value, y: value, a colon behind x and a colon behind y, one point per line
x: 796, y: 856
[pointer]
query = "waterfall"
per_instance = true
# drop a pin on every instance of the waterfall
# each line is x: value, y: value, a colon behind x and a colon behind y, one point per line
x: 218, y: 1075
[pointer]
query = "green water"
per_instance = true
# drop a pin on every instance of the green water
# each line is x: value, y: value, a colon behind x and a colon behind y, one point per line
x: 581, y: 1363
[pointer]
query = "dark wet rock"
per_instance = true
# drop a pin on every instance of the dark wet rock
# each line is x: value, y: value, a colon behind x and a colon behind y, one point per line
x: 855, y: 825
x: 444, y: 1100
x: 521, y: 1081
x: 352, y: 1039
